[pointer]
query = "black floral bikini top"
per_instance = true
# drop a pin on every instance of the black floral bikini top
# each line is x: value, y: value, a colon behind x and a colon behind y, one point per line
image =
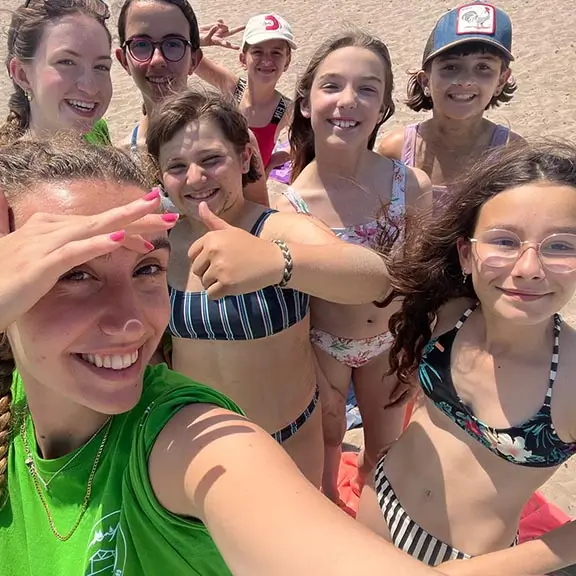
x: 534, y: 443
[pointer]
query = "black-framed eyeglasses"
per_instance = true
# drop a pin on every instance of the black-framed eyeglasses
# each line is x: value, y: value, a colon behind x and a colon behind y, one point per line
x: 100, y: 6
x: 173, y: 49
x: 501, y: 248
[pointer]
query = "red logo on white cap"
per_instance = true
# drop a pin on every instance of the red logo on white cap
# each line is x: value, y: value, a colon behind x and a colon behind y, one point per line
x: 271, y: 22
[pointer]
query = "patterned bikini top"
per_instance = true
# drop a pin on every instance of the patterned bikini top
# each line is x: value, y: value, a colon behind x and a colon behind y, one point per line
x: 364, y: 234
x: 534, y: 443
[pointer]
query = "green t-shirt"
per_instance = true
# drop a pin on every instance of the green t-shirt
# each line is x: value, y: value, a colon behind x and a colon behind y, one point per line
x: 125, y: 531
x: 99, y: 134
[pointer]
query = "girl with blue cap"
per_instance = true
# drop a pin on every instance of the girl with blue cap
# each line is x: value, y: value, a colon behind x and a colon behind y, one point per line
x: 465, y: 71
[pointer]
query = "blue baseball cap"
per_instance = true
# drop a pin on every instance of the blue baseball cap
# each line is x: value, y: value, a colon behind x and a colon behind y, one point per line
x: 474, y: 22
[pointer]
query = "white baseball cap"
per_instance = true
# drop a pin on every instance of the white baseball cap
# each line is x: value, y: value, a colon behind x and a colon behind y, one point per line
x: 267, y: 27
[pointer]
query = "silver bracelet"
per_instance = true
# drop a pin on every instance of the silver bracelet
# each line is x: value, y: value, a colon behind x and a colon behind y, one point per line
x: 288, y: 263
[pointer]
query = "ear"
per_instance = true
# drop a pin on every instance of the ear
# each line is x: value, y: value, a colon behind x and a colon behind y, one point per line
x: 305, y: 108
x: 423, y: 79
x: 246, y: 157
x: 195, y: 61
x: 504, y: 77
x: 242, y: 58
x: 121, y: 57
x: 464, y: 247
x: 19, y: 74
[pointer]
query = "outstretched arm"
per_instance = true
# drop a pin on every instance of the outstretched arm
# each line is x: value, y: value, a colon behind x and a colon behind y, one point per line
x: 263, y: 515
x: 324, y: 265
x: 231, y: 261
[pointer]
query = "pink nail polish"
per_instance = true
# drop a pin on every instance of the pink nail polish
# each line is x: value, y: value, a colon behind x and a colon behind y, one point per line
x: 170, y: 217
x: 149, y: 245
x: 155, y: 193
x: 118, y: 236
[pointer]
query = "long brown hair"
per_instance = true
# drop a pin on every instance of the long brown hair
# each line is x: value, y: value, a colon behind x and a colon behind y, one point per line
x: 179, y: 110
x: 23, y: 166
x: 24, y: 36
x: 300, y: 134
x: 426, y: 273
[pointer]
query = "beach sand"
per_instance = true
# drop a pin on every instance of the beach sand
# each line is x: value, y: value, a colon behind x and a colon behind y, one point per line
x: 544, y: 46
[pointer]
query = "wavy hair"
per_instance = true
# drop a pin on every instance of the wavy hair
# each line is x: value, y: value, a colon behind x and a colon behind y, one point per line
x: 426, y: 273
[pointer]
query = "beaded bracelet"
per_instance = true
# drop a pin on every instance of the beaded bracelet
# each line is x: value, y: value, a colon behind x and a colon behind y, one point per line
x: 288, y: 263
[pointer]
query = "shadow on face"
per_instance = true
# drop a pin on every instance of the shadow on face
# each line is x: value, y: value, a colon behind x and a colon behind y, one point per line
x: 90, y: 337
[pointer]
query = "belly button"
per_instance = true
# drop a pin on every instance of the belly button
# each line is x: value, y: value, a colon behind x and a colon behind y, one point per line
x: 428, y: 494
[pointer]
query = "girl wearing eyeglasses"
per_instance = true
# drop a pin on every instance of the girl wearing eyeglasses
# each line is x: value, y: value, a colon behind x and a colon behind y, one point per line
x: 160, y: 47
x: 59, y: 63
x: 498, y: 409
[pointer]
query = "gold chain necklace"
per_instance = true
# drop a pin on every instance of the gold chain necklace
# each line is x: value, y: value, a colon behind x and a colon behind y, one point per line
x: 33, y: 472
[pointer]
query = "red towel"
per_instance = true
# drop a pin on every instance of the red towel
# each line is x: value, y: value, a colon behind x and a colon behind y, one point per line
x: 539, y: 515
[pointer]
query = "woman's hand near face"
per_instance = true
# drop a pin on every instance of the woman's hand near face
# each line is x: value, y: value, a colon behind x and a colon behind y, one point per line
x: 47, y: 246
x: 231, y: 261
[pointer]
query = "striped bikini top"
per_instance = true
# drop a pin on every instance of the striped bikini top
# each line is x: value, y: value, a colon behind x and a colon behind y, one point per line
x: 363, y: 234
x: 533, y: 443
x: 245, y: 317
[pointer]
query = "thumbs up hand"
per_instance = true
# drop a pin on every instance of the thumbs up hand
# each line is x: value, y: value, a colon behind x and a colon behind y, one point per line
x: 230, y: 261
x: 210, y: 220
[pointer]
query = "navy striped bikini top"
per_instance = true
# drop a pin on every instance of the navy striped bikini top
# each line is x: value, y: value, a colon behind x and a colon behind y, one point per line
x: 245, y: 317
x: 533, y: 443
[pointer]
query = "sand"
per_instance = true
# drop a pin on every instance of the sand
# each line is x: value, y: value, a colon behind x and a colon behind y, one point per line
x: 544, y: 46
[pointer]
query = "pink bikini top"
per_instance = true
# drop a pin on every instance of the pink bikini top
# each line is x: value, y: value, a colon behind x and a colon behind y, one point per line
x: 499, y: 138
x: 364, y: 234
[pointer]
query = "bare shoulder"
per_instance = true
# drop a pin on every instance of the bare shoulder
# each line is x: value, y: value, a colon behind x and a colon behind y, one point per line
x: 418, y: 189
x: 391, y: 145
x: 279, y: 202
x: 125, y: 143
x: 564, y: 396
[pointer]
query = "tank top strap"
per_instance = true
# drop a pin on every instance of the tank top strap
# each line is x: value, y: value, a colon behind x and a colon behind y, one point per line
x: 555, y: 358
x: 239, y: 91
x: 399, y: 177
x: 134, y: 139
x: 279, y: 112
x: 467, y: 313
x: 409, y: 145
x: 501, y: 136
x: 297, y: 202
x: 257, y: 227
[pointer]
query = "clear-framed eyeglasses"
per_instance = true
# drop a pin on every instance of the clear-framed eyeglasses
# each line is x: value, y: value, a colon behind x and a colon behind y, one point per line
x: 501, y: 248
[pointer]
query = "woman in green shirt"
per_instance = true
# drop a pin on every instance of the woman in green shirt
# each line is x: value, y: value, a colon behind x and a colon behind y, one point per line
x: 59, y: 63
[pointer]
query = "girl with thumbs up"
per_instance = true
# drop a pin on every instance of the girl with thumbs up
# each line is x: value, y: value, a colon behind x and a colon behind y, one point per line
x: 241, y: 276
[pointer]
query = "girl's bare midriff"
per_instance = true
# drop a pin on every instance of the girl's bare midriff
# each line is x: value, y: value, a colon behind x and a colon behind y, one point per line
x: 272, y: 379
x: 346, y: 321
x: 487, y: 493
